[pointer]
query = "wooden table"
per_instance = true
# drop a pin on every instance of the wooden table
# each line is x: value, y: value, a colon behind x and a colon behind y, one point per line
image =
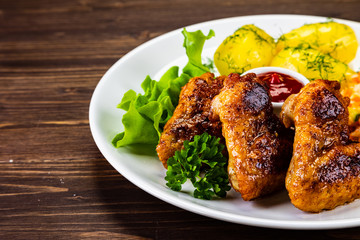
x: 54, y: 182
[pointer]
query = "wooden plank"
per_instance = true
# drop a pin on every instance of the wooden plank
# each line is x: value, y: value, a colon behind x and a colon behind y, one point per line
x: 54, y: 182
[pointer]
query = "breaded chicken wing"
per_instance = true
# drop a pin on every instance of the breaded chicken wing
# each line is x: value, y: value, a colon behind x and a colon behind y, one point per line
x: 191, y: 116
x: 258, y: 144
x: 355, y: 132
x: 325, y: 168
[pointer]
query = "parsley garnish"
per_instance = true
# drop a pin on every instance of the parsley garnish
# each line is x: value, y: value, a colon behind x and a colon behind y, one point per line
x: 201, y: 161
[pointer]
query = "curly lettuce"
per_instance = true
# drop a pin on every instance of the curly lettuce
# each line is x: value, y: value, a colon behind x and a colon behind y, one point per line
x: 147, y: 113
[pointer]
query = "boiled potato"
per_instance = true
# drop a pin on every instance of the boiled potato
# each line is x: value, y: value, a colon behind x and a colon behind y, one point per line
x: 333, y: 38
x: 312, y: 63
x: 249, y: 47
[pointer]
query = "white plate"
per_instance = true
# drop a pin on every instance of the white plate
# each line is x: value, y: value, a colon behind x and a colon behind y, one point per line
x: 153, y: 58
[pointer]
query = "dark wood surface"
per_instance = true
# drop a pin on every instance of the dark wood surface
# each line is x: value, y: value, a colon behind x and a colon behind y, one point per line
x: 54, y: 182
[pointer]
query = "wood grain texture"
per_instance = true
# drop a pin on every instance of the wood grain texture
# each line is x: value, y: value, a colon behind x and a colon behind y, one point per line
x: 54, y: 182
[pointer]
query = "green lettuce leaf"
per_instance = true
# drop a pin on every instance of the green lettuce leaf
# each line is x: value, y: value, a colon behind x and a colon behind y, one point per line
x: 147, y: 113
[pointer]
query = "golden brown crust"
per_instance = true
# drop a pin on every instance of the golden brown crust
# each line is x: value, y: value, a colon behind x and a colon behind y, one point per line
x: 191, y: 116
x: 355, y: 131
x: 325, y: 168
x: 259, y: 150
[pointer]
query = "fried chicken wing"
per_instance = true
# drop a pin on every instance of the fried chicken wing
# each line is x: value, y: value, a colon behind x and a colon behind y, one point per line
x: 325, y: 168
x: 191, y: 116
x: 355, y: 131
x: 258, y: 144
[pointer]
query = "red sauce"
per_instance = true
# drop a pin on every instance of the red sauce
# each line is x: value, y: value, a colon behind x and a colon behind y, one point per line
x: 281, y: 85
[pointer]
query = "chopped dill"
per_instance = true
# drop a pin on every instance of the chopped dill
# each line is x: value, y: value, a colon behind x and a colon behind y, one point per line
x: 243, y: 31
x: 320, y: 64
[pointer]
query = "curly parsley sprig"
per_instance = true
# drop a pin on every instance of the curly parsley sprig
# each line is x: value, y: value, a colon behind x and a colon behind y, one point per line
x: 201, y: 161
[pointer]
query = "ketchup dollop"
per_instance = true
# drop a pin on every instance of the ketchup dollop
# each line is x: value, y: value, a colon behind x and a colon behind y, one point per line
x: 281, y: 85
